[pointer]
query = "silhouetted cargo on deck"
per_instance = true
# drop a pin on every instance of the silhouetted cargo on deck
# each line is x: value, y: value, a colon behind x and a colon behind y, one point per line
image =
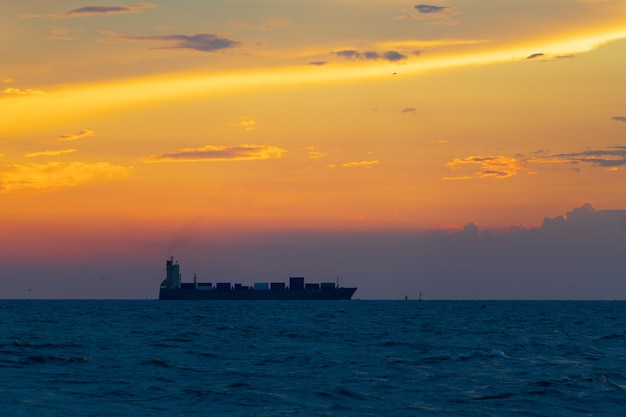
x: 173, y: 289
x: 296, y: 283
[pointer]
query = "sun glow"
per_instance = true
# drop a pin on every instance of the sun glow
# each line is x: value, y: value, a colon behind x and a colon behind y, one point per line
x: 67, y: 103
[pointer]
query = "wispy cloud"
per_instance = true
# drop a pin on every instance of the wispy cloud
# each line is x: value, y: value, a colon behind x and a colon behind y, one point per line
x: 436, y: 14
x: 75, y: 136
x: 245, y: 123
x: 535, y: 56
x: 50, y: 153
x: 217, y: 153
x: 484, y: 167
x: 203, y: 42
x: 360, y: 164
x: 429, y: 9
x: 55, y: 175
x: 619, y: 118
x: 477, y: 167
x: 391, y: 56
x: 318, y: 63
x: 612, y: 157
x: 62, y: 33
x: 409, y: 110
x: 313, y: 152
x: 94, y: 10
x: 19, y: 92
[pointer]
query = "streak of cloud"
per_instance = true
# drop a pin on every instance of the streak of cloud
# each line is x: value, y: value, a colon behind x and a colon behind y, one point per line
x: 391, y: 56
x: 429, y: 9
x: 62, y: 33
x: 504, y: 167
x: 434, y: 14
x: 77, y: 101
x: 94, y: 11
x: 619, y: 118
x: 50, y: 153
x: 75, y: 136
x: 203, y: 42
x: 360, y: 164
x: 613, y: 156
x: 26, y: 92
x: 218, y: 153
x: 56, y: 175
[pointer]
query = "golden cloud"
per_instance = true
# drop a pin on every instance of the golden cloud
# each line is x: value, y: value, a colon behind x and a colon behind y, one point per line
x: 19, y: 92
x: 364, y: 164
x: 245, y: 123
x: 58, y: 175
x: 215, y: 153
x: 313, y: 152
x: 50, y: 153
x: 485, y: 167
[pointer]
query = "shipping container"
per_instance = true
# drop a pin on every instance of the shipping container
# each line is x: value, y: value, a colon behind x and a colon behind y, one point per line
x: 277, y: 286
x: 240, y: 287
x: 261, y: 286
x: 328, y: 285
x: 222, y: 286
x: 296, y: 283
x: 311, y: 286
x: 205, y: 286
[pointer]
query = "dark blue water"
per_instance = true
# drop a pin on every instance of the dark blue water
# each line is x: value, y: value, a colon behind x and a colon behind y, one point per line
x: 352, y: 358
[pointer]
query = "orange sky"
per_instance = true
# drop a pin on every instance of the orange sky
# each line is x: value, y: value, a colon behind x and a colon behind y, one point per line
x: 122, y: 118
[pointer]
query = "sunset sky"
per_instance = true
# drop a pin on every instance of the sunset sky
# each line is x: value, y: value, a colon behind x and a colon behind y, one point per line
x: 130, y: 131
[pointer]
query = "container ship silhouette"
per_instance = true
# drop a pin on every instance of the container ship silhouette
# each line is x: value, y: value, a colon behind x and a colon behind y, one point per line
x: 173, y: 289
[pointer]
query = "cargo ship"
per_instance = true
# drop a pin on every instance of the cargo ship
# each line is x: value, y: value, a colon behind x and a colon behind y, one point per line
x: 173, y: 289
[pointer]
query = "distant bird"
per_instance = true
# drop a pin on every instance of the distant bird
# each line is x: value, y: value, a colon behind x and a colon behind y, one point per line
x: 393, y: 73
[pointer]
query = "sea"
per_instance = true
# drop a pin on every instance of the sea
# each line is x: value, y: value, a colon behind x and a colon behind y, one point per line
x: 312, y: 358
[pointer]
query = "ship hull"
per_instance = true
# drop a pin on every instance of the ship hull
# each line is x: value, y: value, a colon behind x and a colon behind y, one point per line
x: 195, y: 294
